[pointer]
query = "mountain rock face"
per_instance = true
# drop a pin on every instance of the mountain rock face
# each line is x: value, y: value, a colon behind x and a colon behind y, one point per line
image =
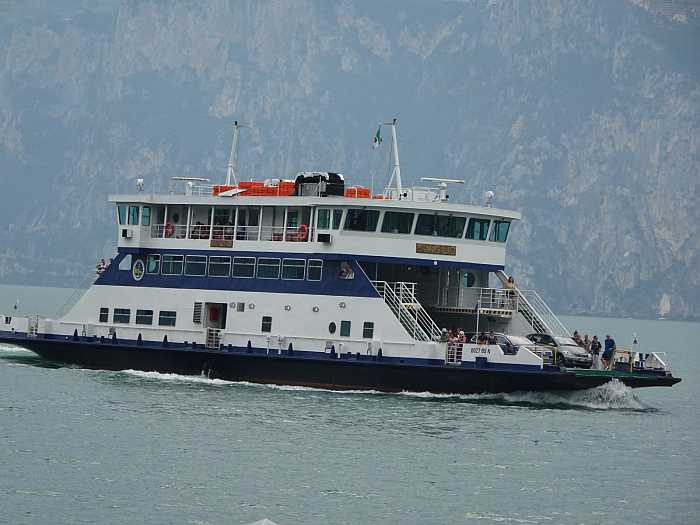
x: 584, y: 115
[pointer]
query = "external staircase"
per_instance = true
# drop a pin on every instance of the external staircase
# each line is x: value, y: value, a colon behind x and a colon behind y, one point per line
x: 401, y: 299
x: 535, y: 311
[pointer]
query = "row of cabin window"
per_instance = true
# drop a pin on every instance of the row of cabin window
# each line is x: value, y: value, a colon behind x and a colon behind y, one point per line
x: 143, y: 317
x: 243, y: 267
x: 366, y: 220
x: 427, y: 224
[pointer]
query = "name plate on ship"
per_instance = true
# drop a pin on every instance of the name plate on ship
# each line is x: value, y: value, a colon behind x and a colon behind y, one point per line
x: 436, y: 249
x: 221, y: 243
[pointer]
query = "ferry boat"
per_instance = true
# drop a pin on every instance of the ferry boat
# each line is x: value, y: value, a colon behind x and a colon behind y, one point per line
x: 318, y: 283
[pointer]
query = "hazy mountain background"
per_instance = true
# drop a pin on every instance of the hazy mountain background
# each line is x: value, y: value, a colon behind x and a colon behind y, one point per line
x: 584, y: 115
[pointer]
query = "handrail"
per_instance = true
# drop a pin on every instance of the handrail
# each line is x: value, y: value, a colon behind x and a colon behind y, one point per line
x: 402, y: 301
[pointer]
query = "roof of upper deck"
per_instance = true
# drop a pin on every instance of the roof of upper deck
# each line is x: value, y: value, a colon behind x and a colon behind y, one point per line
x: 300, y: 201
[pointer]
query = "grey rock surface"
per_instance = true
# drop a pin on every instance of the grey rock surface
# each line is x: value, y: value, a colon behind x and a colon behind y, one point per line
x: 584, y: 115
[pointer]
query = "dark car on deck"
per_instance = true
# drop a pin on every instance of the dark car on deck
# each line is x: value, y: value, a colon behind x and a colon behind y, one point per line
x: 566, y: 351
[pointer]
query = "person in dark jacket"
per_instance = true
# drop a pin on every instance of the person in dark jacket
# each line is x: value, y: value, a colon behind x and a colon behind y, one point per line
x: 595, y: 352
x: 609, y: 352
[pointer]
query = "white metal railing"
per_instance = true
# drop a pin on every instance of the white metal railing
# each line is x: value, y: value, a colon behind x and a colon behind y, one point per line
x: 402, y: 301
x: 213, y: 338
x: 453, y: 355
x: 230, y: 232
x: 531, y: 304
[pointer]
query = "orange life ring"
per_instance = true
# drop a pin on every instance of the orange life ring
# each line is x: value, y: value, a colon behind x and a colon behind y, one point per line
x: 302, y: 232
x: 169, y: 229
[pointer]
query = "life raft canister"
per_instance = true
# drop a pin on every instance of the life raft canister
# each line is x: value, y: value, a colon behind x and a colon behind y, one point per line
x: 303, y: 232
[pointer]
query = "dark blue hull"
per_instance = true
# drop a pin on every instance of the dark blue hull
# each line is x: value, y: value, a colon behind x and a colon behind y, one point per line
x: 347, y: 373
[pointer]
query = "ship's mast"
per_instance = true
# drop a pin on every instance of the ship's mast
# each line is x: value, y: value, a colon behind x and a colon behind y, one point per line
x: 396, y: 171
x: 233, y: 157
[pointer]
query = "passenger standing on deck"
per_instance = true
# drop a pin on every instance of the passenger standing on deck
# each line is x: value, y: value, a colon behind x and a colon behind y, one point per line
x: 609, y: 352
x: 510, y: 286
x: 492, y: 338
x: 587, y: 343
x: 595, y: 352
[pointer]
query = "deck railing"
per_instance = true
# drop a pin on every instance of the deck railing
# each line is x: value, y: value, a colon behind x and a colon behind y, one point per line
x: 231, y: 233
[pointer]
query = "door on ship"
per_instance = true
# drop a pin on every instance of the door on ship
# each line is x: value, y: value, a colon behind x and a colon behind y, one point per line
x: 215, y: 315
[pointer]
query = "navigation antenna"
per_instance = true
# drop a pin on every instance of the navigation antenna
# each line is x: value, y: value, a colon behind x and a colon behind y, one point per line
x: 233, y: 157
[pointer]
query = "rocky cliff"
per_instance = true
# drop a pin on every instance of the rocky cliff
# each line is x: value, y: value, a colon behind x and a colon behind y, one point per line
x: 584, y: 115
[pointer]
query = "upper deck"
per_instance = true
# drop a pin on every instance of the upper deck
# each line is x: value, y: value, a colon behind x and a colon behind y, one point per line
x: 418, y: 226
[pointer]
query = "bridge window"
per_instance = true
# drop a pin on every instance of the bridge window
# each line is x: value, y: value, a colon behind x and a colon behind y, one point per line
x: 121, y: 316
x: 196, y: 265
x: 293, y: 269
x: 440, y: 225
x: 144, y: 317
x: 104, y: 315
x: 337, y: 218
x: 324, y: 219
x: 368, y: 330
x: 344, y: 328
x: 268, y: 268
x: 244, y: 267
x: 153, y: 263
x: 266, y: 325
x: 500, y: 231
x: 172, y: 265
x: 133, y: 215
x: 167, y: 318
x: 362, y: 220
x: 315, y: 270
x: 121, y: 214
x: 397, y: 222
x: 146, y: 216
x: 478, y: 229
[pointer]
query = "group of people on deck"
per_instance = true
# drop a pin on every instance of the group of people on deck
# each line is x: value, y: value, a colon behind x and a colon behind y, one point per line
x: 602, y: 353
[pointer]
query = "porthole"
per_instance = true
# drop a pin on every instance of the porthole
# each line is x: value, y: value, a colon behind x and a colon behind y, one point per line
x: 332, y: 328
x: 468, y: 280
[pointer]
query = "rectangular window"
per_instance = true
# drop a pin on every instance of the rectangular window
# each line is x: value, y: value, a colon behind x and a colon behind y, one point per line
x: 268, y: 268
x: 104, y: 315
x: 266, y: 325
x: 500, y: 231
x: 146, y: 216
x: 361, y: 220
x: 144, y: 317
x: 368, y: 330
x: 324, y: 219
x: 167, y: 318
x: 315, y: 270
x: 121, y: 214
x: 153, y: 263
x: 478, y: 229
x: 293, y: 269
x: 397, y: 222
x: 244, y: 267
x: 172, y: 265
x: 197, y: 313
x: 196, y: 265
x: 133, y: 215
x: 121, y: 316
x: 292, y: 218
x: 440, y: 225
x: 337, y: 218
x: 344, y: 328
x: 219, y: 266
